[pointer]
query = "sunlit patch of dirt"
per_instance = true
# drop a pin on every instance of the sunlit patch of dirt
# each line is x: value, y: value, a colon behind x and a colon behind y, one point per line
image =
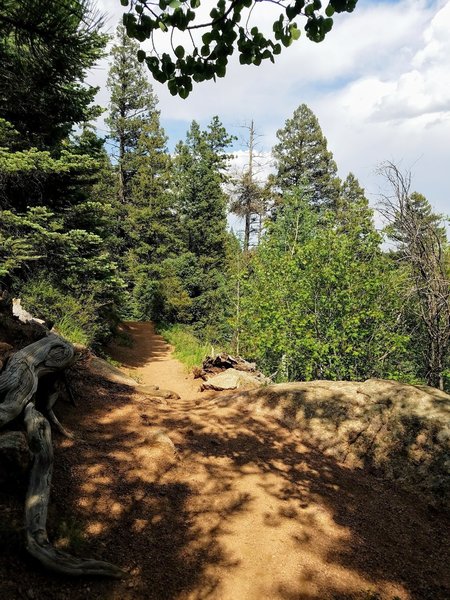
x: 200, y: 498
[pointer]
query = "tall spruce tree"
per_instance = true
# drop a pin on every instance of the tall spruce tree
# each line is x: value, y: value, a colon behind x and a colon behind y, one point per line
x: 147, y: 231
x: 353, y: 215
x: 46, y: 49
x: 132, y: 106
x: 50, y: 215
x: 200, y: 164
x: 302, y: 158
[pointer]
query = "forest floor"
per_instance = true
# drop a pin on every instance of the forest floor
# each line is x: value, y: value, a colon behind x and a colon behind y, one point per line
x: 246, y: 511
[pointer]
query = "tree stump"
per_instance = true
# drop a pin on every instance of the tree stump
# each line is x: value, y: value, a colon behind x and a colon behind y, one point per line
x: 18, y: 387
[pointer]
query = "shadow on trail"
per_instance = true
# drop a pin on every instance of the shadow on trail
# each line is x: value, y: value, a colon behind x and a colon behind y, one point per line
x: 144, y: 345
x: 168, y: 529
x: 391, y: 537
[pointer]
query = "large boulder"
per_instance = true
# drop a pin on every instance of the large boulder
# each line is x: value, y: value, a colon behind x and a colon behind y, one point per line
x: 399, y: 431
x: 232, y: 379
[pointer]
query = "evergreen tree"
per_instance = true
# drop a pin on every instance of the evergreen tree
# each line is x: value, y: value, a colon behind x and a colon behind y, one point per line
x: 200, y: 165
x: 353, y: 215
x: 146, y: 219
x: 132, y: 107
x: 248, y: 197
x: 46, y: 49
x: 303, y: 159
x: 246, y: 204
x: 52, y: 218
x: 64, y: 231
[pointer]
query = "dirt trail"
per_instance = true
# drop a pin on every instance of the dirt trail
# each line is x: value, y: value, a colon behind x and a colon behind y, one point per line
x: 150, y: 361
x: 247, y: 511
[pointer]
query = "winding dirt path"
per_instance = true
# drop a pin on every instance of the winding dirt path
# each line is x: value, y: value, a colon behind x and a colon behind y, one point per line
x: 149, y: 360
x: 246, y: 512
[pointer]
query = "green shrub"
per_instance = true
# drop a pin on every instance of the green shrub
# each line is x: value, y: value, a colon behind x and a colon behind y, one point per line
x: 188, y: 348
x: 76, y: 319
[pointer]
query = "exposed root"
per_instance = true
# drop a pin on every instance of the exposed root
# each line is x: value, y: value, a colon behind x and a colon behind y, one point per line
x: 36, y: 506
x: 57, y: 424
x: 18, y: 386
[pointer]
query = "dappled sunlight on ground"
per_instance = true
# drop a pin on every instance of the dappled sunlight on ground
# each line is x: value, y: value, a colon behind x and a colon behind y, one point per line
x: 241, y: 509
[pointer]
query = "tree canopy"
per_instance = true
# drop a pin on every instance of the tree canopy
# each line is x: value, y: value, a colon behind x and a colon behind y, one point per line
x: 224, y: 28
x: 46, y: 49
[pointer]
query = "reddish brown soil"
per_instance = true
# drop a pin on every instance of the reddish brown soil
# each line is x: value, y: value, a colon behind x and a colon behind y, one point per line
x: 248, y: 512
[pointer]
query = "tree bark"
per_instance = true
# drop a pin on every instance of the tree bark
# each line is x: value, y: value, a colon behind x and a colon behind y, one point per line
x: 18, y: 386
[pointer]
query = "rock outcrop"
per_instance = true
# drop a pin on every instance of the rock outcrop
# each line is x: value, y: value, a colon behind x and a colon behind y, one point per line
x: 399, y: 431
x: 232, y: 379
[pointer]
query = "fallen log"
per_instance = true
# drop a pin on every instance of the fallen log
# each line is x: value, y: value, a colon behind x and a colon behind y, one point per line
x: 221, y: 362
x: 226, y: 372
x: 18, y: 386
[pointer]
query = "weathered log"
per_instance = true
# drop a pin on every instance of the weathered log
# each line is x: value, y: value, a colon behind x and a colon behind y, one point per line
x: 221, y: 362
x: 19, y: 380
x: 38, y: 494
x: 232, y: 365
x: 18, y: 386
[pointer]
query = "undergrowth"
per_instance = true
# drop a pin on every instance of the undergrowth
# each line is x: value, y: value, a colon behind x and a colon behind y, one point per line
x: 71, y: 318
x: 188, y: 348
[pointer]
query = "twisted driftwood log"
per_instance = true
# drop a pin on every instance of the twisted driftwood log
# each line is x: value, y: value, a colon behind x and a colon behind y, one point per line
x: 18, y: 387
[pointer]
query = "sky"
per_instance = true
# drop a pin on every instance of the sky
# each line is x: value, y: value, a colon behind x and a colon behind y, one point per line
x: 379, y: 85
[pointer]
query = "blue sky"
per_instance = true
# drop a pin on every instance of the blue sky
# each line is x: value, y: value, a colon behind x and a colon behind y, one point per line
x: 379, y: 84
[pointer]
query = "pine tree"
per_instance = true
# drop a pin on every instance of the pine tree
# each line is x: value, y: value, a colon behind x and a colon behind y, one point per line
x: 303, y: 158
x: 132, y: 106
x: 65, y: 231
x: 247, y: 197
x: 144, y: 201
x: 46, y: 49
x: 353, y: 215
x: 200, y: 166
x: 53, y: 219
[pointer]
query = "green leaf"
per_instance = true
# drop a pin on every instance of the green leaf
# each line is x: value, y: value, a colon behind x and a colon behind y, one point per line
x: 207, y: 38
x: 294, y: 31
x: 221, y: 70
x: 179, y: 52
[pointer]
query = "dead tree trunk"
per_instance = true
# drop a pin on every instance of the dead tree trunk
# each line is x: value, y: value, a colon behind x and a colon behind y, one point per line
x: 18, y: 386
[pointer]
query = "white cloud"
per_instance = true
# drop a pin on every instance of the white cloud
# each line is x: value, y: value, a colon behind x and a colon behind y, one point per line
x: 425, y: 88
x: 379, y: 84
x: 401, y: 113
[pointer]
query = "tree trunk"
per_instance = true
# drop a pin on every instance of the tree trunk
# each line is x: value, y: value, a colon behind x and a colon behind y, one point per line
x: 18, y: 386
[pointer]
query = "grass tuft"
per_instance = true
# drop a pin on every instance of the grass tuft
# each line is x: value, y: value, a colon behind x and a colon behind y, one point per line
x: 188, y: 349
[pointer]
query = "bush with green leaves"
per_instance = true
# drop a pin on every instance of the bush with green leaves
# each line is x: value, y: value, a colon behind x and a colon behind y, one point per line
x: 77, y: 319
x: 314, y: 306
